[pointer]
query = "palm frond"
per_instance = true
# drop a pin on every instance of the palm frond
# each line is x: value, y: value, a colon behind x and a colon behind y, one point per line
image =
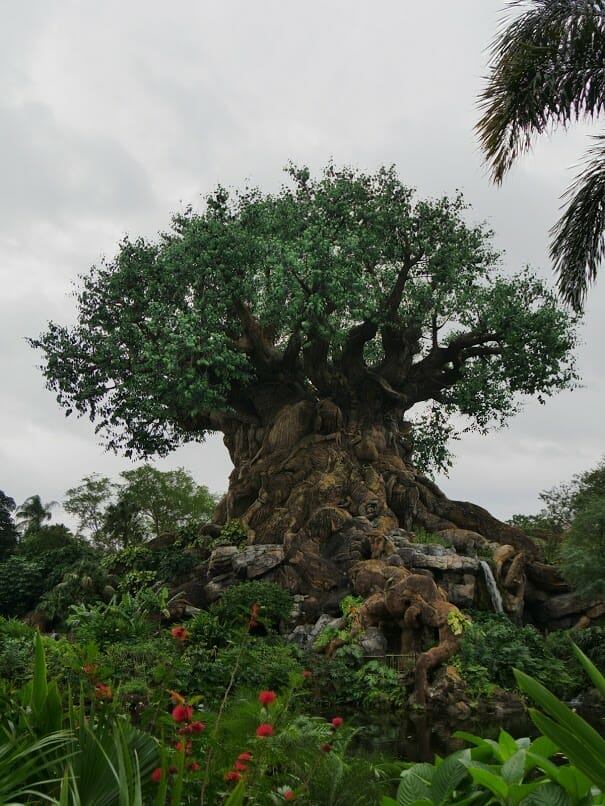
x: 547, y: 67
x: 578, y: 238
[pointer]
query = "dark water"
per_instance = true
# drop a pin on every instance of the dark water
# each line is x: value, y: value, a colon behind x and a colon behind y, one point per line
x: 421, y: 736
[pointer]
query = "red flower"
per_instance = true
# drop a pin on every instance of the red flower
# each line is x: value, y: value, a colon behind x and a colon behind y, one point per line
x: 267, y: 697
x: 156, y: 775
x: 326, y: 748
x: 289, y: 795
x: 265, y: 730
x: 254, y: 615
x: 239, y: 766
x: 337, y: 721
x: 186, y: 747
x: 232, y: 776
x: 245, y: 757
x: 197, y: 727
x: 182, y: 713
x: 180, y: 633
x: 195, y: 766
x: 307, y: 673
x: 103, y: 692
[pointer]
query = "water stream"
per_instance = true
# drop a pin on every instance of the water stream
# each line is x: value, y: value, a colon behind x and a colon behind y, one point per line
x: 492, y: 587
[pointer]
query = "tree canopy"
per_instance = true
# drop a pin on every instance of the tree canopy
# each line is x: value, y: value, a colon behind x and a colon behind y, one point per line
x: 547, y: 70
x: 345, y: 287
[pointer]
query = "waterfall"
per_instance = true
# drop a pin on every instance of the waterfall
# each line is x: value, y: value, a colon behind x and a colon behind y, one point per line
x: 492, y: 587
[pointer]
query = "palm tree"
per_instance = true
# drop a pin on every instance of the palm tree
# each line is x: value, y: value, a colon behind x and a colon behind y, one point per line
x: 547, y: 67
x: 32, y: 513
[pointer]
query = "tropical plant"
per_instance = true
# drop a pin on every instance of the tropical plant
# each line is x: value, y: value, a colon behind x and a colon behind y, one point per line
x: 32, y: 514
x: 545, y: 70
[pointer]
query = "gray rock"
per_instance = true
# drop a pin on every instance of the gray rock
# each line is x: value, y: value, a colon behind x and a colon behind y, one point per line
x: 254, y: 561
x: 221, y: 559
x: 373, y: 642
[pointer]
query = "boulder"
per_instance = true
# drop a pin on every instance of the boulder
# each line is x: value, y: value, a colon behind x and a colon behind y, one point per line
x: 255, y: 561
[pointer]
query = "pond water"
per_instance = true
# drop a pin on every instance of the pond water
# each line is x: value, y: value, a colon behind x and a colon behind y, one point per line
x: 421, y: 736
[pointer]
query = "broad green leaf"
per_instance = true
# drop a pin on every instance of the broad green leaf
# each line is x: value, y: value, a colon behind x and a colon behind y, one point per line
x: 548, y: 794
x: 513, y: 768
x: 595, y: 675
x: 518, y: 792
x: 587, y: 758
x: 508, y: 746
x: 450, y: 772
x: 573, y: 781
x: 489, y: 780
x: 415, y: 784
x: 236, y: 798
x: 563, y: 715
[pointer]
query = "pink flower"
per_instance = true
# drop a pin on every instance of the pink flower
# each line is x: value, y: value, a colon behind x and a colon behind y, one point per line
x: 240, y: 766
x: 245, y: 757
x: 182, y: 713
x: 289, y: 795
x: 337, y: 721
x: 265, y: 730
x: 197, y: 727
x: 267, y: 697
x: 232, y: 776
x: 156, y: 775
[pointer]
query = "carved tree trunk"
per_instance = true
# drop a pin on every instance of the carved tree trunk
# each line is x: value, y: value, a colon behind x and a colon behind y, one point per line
x: 329, y: 487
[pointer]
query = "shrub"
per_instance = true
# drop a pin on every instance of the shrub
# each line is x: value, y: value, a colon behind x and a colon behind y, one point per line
x: 492, y: 642
x: 275, y: 604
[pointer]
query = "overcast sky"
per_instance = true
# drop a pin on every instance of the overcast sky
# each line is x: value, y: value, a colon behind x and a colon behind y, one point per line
x: 113, y: 115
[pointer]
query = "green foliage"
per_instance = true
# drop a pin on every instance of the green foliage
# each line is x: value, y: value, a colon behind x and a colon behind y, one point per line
x: 167, y: 500
x: 378, y: 686
x: 492, y: 646
x: 427, y: 538
x: 233, y: 533
x: 119, y: 620
x: 582, y: 551
x: 32, y: 514
x: 349, y: 269
x: 8, y: 529
x: 275, y: 604
x: 546, y: 71
x: 22, y: 582
x: 457, y: 622
x: 87, y: 502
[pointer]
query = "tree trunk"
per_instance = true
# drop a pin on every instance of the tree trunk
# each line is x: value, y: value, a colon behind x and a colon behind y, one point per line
x: 330, y: 488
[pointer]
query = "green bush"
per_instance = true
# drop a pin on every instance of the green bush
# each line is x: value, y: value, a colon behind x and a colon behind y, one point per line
x: 235, y: 606
x: 119, y: 620
x: 494, y: 644
x: 582, y: 553
x: 22, y: 582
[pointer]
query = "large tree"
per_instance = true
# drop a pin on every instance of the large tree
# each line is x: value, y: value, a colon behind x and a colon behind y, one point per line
x: 546, y: 69
x: 308, y: 326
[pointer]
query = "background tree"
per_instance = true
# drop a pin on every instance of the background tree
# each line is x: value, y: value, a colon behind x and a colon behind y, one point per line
x: 8, y: 529
x: 122, y: 525
x: 307, y: 326
x: 582, y: 553
x: 88, y: 502
x: 547, y: 69
x: 32, y: 514
x: 167, y: 500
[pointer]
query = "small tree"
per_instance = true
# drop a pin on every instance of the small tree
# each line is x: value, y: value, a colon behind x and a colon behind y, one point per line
x: 88, y: 502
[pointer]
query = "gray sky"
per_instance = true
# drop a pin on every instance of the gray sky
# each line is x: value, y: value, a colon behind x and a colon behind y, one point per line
x: 114, y: 115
